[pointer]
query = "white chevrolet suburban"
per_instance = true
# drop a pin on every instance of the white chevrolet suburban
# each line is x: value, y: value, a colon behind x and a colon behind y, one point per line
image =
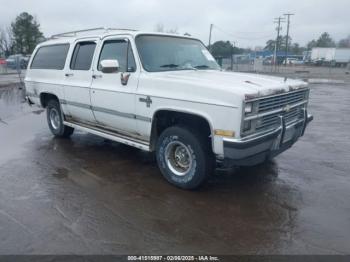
x: 165, y: 93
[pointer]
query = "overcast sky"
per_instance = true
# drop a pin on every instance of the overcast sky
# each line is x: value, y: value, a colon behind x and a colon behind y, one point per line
x: 247, y: 22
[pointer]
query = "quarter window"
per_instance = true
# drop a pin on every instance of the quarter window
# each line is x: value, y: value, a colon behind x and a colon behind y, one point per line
x: 82, y: 56
x: 120, y: 50
x: 50, y: 57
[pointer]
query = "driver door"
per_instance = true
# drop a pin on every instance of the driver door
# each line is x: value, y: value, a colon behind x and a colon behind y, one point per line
x: 113, y: 100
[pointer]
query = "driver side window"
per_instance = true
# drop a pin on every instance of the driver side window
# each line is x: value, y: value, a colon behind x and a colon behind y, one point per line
x: 120, y: 50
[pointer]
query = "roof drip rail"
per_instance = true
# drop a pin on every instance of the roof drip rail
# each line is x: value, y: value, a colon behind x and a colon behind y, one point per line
x: 74, y: 33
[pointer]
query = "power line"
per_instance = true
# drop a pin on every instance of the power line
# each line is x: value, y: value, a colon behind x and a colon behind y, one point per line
x: 278, y: 21
x: 288, y: 24
x: 210, y: 31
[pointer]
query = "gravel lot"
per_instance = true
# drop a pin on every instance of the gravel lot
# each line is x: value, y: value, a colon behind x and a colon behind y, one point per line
x: 87, y: 195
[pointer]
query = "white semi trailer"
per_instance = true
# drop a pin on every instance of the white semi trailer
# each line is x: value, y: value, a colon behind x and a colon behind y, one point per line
x: 330, y: 56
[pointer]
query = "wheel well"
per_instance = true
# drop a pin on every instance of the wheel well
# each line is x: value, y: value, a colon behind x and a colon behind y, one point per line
x: 45, y: 98
x: 166, y: 118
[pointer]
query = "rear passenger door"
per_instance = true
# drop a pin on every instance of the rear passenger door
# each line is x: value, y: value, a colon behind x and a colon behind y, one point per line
x: 78, y: 78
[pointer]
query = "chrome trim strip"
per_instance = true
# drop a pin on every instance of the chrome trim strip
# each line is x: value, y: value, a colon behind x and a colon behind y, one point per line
x: 112, y: 112
x: 143, y: 118
x: 76, y: 104
x: 106, y: 110
x: 275, y: 111
x: 60, y: 84
x: 112, y: 136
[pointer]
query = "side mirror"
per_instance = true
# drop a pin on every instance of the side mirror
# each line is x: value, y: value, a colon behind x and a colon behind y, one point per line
x: 109, y: 65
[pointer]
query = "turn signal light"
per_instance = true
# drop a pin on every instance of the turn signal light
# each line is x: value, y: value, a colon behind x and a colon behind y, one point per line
x: 228, y: 133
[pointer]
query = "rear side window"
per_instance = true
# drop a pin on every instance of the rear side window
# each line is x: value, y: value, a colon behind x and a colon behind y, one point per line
x: 120, y: 50
x: 82, y: 56
x: 50, y: 57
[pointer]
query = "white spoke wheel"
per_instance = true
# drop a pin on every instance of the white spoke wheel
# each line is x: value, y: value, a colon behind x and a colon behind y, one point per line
x: 184, y: 157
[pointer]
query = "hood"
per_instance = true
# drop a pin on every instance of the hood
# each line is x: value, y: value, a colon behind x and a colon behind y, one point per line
x: 214, y: 87
x: 247, y: 85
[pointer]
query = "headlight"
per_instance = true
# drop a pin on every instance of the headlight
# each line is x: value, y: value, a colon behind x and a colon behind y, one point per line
x: 248, y: 108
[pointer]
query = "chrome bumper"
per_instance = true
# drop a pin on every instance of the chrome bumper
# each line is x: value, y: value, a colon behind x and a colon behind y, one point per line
x: 257, y: 149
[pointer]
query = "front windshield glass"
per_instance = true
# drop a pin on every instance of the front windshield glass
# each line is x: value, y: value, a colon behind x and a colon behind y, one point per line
x: 166, y: 53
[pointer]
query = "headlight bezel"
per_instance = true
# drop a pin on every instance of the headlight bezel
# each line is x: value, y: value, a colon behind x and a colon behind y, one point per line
x: 248, y: 108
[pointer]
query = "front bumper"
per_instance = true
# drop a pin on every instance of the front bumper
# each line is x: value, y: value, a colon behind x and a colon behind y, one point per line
x: 255, y: 150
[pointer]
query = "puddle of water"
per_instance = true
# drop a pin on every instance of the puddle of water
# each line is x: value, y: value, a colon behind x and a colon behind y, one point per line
x: 12, y: 101
x: 61, y: 173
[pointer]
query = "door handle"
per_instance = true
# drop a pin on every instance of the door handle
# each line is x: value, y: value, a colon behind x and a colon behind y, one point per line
x: 96, y: 76
x: 68, y: 74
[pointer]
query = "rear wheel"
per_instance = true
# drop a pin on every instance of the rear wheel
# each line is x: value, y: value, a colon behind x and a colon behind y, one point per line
x: 55, y: 120
x: 184, y: 157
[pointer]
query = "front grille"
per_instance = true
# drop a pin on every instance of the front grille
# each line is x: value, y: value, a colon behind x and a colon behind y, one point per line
x: 273, y: 120
x: 275, y: 106
x: 280, y: 101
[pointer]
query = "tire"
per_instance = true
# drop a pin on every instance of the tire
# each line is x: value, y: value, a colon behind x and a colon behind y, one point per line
x: 55, y: 120
x: 184, y: 157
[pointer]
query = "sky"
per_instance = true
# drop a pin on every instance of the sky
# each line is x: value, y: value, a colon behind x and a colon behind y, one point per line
x: 248, y: 23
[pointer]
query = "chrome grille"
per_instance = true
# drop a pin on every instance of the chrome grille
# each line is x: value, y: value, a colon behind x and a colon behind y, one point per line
x: 273, y: 120
x: 271, y: 108
x: 280, y: 101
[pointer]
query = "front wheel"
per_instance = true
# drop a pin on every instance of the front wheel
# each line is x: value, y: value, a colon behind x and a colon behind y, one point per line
x: 184, y: 157
x: 55, y: 120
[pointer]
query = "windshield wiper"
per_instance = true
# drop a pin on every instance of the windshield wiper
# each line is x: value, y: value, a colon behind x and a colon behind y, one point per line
x: 170, y: 65
x: 201, y: 66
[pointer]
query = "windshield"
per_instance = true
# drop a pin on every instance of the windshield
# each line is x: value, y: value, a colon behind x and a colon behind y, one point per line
x: 166, y: 53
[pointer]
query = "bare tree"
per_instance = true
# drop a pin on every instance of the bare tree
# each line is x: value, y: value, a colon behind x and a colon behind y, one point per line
x: 344, y: 43
x: 6, y: 41
x: 172, y: 31
x: 160, y: 28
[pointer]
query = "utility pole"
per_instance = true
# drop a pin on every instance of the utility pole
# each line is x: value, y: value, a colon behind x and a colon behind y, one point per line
x: 278, y: 21
x: 232, y: 48
x: 288, y: 23
x: 211, y: 29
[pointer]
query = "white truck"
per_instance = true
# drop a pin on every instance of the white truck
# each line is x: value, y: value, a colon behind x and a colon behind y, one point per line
x: 165, y: 93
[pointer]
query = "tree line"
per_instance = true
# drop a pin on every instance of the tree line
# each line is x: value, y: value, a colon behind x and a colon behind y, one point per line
x: 325, y: 40
x: 225, y: 48
x: 21, y: 36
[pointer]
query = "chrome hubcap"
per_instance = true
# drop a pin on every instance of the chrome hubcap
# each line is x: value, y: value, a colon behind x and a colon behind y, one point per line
x: 178, y: 158
x: 54, y: 118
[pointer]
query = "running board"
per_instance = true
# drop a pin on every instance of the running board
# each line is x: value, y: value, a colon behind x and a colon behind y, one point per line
x: 110, y: 135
